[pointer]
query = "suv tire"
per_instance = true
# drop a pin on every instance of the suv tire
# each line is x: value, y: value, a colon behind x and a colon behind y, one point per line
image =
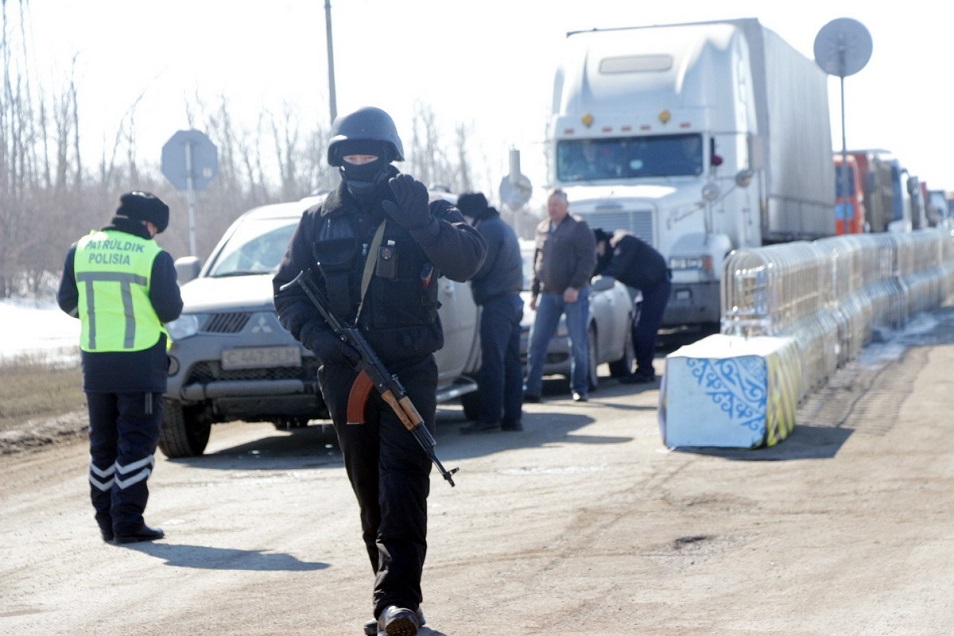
x: 183, y: 434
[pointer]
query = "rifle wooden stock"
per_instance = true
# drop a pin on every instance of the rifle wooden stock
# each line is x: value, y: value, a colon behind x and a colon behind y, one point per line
x: 374, y: 373
x: 358, y: 398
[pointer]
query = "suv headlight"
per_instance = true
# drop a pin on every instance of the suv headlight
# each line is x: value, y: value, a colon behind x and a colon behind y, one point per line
x: 184, y: 326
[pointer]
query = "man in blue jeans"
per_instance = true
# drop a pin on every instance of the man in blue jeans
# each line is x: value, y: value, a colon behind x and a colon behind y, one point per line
x: 496, y: 288
x: 563, y: 262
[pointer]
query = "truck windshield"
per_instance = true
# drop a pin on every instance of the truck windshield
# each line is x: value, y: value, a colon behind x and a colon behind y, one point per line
x: 629, y: 158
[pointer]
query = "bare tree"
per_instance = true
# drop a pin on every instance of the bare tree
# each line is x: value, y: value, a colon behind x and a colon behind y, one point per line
x: 47, y: 200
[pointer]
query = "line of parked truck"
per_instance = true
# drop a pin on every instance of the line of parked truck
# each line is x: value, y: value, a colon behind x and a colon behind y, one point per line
x: 706, y: 137
x: 876, y: 193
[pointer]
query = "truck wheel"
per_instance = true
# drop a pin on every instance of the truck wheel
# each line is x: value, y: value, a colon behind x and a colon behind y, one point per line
x: 594, y: 358
x: 183, y: 434
x: 624, y: 366
x: 471, y: 403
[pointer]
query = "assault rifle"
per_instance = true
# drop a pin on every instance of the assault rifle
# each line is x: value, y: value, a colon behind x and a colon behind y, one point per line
x: 372, y: 372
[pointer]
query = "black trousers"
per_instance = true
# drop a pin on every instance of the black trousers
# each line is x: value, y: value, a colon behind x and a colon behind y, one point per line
x: 501, y: 372
x: 646, y: 328
x: 123, y: 434
x: 390, y: 476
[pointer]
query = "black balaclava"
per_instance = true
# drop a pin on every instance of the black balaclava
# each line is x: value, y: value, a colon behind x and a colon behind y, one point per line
x: 364, y: 182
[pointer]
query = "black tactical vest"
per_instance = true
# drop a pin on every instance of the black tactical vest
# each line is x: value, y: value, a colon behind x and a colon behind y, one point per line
x: 399, y: 307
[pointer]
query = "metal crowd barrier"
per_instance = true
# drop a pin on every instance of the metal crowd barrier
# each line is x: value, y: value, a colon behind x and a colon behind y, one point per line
x: 830, y: 295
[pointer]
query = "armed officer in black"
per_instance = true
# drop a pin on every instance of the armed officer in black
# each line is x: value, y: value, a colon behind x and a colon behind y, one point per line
x: 377, y: 247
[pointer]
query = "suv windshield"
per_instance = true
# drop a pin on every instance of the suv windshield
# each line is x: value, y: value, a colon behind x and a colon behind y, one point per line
x: 629, y: 157
x: 255, y: 247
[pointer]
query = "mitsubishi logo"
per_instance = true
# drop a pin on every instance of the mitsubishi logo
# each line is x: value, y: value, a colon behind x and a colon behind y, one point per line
x: 262, y: 326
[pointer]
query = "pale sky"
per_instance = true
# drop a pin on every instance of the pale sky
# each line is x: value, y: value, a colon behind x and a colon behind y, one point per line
x: 488, y: 65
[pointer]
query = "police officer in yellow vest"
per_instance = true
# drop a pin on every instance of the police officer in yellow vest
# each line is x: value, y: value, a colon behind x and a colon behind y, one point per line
x: 122, y: 286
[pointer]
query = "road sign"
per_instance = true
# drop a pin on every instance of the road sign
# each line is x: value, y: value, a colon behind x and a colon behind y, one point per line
x: 842, y: 47
x: 516, y: 195
x: 190, y: 160
x: 515, y: 189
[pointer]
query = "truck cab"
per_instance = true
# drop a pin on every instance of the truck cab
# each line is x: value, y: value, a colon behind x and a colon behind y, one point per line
x: 850, y: 217
x: 665, y: 132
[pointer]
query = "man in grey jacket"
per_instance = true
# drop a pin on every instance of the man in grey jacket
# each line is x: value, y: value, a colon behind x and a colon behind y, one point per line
x: 563, y: 262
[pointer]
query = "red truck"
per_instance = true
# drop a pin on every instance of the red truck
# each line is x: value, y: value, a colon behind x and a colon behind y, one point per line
x: 850, y: 216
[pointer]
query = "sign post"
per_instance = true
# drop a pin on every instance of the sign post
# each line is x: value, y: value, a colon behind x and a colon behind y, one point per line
x: 189, y: 161
x: 515, y: 189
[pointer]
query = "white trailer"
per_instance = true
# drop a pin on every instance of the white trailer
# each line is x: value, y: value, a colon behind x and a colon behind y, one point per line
x: 699, y: 138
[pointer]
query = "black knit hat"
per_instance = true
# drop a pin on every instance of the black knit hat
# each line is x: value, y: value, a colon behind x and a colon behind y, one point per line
x: 143, y: 206
x: 602, y: 235
x: 472, y: 204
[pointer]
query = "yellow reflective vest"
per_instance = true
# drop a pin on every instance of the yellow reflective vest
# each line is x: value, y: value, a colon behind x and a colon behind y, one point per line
x: 113, y: 272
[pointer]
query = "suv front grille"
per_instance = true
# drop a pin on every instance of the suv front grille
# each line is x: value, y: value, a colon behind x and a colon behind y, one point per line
x: 232, y: 322
x: 206, y: 372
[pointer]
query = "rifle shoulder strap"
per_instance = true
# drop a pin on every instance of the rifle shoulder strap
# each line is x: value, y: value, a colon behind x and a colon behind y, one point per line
x: 369, y: 265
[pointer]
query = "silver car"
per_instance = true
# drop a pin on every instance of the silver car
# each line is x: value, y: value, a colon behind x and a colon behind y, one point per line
x: 232, y: 360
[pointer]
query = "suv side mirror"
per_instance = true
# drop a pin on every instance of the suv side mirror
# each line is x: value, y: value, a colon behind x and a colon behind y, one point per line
x: 187, y: 268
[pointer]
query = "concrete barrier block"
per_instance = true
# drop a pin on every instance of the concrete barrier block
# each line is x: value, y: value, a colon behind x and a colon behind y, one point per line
x: 730, y: 391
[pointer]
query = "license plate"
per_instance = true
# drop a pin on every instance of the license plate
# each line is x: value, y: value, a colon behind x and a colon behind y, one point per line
x: 257, y: 357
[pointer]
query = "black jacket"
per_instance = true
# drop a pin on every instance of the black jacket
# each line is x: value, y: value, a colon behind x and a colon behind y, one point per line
x: 564, y: 257
x: 399, y: 312
x: 133, y: 371
x: 502, y: 271
x: 634, y: 263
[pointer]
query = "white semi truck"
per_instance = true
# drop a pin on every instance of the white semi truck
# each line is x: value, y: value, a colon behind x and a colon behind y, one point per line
x: 699, y: 138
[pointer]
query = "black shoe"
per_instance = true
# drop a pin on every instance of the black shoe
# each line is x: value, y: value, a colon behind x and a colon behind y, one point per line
x: 398, y: 621
x: 143, y: 534
x: 530, y: 397
x: 371, y: 627
x: 107, y: 535
x: 511, y: 426
x: 578, y: 397
x: 638, y: 378
x: 480, y: 427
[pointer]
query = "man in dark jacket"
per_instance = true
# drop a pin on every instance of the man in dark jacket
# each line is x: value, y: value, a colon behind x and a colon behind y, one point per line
x: 496, y: 288
x: 122, y: 287
x: 637, y: 264
x: 563, y: 262
x: 377, y: 247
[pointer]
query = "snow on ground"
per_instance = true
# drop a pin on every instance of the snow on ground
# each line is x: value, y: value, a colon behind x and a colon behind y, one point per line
x: 41, y: 329
x: 37, y: 328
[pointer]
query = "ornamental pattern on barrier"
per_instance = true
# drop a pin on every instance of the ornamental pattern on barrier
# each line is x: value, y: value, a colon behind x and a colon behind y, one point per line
x: 738, y: 386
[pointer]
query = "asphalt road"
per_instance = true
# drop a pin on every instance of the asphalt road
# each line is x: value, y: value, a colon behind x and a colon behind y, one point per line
x: 582, y: 523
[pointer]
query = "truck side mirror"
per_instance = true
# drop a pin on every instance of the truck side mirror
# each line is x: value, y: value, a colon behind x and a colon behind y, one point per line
x: 743, y: 178
x: 711, y: 192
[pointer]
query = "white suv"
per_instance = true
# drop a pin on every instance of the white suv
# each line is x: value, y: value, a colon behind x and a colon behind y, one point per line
x: 231, y: 359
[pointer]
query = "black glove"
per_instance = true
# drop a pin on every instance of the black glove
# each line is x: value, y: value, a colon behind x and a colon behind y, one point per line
x: 329, y: 348
x: 412, y: 211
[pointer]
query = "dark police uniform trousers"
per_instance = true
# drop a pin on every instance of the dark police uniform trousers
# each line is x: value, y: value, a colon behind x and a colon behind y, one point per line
x: 123, y: 435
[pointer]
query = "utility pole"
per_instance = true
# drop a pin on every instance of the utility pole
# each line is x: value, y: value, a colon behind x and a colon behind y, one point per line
x: 332, y: 98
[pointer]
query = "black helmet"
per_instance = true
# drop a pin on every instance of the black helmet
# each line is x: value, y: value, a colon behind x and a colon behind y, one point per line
x: 367, y: 130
